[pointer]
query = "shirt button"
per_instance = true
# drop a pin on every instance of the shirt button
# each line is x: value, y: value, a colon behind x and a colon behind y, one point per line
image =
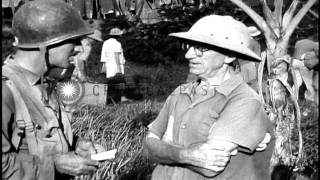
x: 183, y: 126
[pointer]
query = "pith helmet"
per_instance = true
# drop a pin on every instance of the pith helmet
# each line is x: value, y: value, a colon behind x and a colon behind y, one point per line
x: 41, y: 23
x: 223, y: 32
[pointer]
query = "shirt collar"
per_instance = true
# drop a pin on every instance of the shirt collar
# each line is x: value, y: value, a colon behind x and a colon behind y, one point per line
x: 229, y: 85
x: 224, y: 88
x: 31, y: 77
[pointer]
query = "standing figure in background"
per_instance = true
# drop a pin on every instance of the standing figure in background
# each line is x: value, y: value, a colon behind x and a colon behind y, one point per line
x: 81, y: 58
x: 305, y: 52
x: 113, y: 60
x: 311, y: 61
x: 112, y: 54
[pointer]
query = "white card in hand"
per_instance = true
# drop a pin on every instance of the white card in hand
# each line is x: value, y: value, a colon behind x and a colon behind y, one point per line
x: 104, y: 155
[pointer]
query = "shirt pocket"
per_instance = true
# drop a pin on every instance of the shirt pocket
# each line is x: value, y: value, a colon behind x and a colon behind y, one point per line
x: 207, y: 123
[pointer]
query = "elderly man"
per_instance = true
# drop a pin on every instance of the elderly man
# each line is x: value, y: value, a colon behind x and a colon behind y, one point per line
x: 214, y: 127
x: 248, y: 69
x: 36, y: 134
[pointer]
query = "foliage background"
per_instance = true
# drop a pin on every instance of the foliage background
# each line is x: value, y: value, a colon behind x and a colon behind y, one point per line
x: 155, y: 67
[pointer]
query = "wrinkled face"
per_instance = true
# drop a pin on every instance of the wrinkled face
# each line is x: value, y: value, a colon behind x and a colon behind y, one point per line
x: 203, y: 62
x: 61, y: 55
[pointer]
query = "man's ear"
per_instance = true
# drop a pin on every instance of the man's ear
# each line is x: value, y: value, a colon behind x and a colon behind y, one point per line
x: 228, y: 60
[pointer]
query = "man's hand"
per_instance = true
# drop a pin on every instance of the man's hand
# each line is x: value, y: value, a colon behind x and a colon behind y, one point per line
x: 263, y: 145
x: 71, y: 164
x: 206, y: 155
x: 85, y: 148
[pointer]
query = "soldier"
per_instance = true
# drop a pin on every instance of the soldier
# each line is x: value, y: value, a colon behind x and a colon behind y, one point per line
x: 36, y: 134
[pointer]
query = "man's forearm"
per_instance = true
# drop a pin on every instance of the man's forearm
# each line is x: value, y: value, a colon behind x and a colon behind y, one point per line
x: 203, y: 171
x: 162, y: 152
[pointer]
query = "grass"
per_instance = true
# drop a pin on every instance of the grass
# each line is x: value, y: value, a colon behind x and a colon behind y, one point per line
x: 120, y: 126
x: 123, y: 126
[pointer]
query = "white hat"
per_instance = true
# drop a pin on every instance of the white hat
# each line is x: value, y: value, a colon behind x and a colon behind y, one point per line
x: 221, y: 31
x: 115, y: 32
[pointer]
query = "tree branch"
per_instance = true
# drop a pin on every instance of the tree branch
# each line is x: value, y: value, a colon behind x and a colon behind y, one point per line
x: 278, y: 4
x: 289, y: 14
x: 295, y: 21
x: 270, y: 19
x: 261, y: 23
x: 314, y: 13
x: 266, y: 10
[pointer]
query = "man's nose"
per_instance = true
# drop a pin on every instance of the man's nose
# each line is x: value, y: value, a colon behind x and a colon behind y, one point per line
x: 78, y: 49
x: 191, y: 53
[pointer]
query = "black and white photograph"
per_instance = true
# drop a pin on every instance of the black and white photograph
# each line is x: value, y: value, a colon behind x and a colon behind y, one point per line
x: 160, y: 89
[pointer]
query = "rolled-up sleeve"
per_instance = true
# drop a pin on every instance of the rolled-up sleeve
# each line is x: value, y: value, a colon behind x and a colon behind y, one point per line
x: 242, y: 122
x: 159, y: 125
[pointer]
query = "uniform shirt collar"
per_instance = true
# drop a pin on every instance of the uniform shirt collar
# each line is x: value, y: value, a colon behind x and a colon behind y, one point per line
x: 31, y: 77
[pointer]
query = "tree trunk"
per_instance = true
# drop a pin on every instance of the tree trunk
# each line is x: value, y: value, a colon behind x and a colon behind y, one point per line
x: 281, y: 102
x: 280, y: 105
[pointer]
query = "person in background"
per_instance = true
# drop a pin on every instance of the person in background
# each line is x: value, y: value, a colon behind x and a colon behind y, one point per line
x: 112, y: 54
x: 305, y: 53
x: 82, y: 57
x: 311, y: 61
x: 214, y: 127
x: 113, y: 60
x: 37, y: 137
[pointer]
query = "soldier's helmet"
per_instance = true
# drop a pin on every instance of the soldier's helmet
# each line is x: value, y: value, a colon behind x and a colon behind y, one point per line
x: 42, y: 23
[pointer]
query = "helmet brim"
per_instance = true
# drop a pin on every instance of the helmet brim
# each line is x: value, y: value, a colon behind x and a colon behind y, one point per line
x: 215, y: 42
x: 83, y: 32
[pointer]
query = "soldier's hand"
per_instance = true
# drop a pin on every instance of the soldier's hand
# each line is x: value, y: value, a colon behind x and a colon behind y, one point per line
x: 85, y: 148
x: 72, y: 164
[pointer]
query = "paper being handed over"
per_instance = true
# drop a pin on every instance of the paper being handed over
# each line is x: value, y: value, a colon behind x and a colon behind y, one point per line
x: 104, y: 155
